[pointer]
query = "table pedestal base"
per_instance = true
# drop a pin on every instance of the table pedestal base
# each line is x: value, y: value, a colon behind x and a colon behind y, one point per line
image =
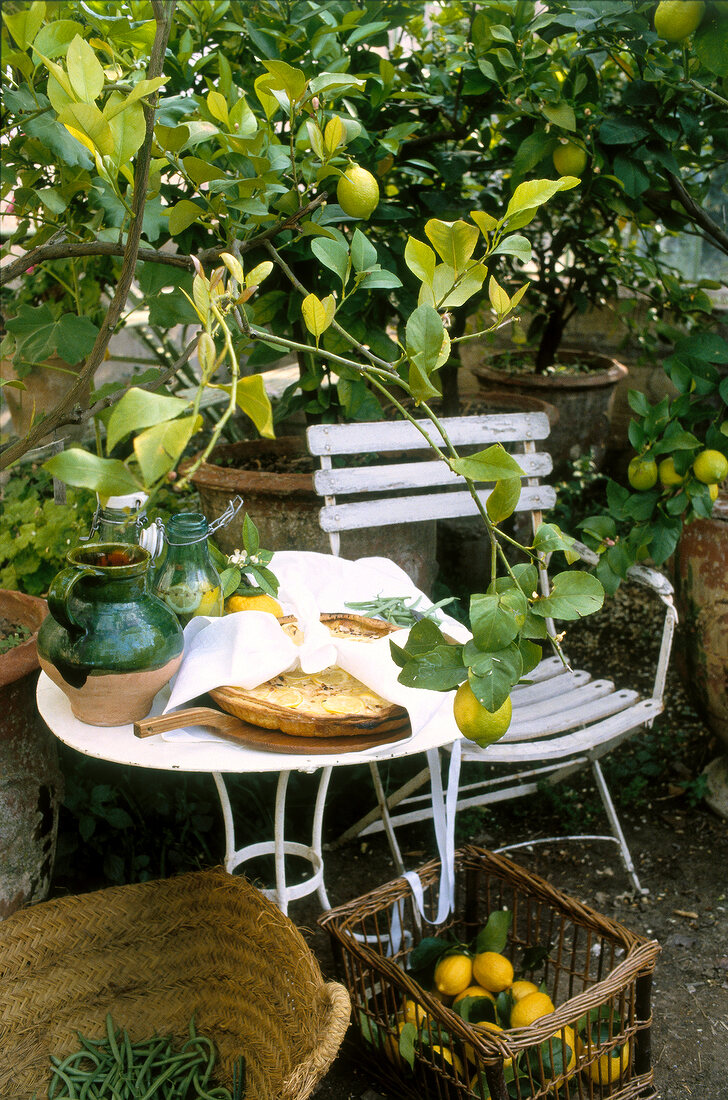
x: 279, y: 847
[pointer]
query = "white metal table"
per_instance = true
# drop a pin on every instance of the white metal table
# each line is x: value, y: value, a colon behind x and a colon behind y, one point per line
x: 120, y: 745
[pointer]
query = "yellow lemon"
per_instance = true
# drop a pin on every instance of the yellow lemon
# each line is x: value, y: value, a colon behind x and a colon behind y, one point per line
x: 475, y: 722
x: 668, y: 474
x: 211, y: 602
x: 453, y: 974
x: 713, y: 491
x: 676, y: 19
x: 710, y: 467
x: 569, y: 159
x: 413, y: 1012
x: 474, y: 991
x: 288, y: 697
x: 642, y: 473
x: 447, y: 1056
x: 606, y: 1069
x: 357, y: 192
x: 493, y: 971
x: 484, y: 1025
x: 532, y: 1007
x: 263, y: 602
x: 521, y: 989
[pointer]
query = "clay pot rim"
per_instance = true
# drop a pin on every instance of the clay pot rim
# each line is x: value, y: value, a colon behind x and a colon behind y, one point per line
x: 609, y: 372
x: 28, y: 611
x: 212, y: 476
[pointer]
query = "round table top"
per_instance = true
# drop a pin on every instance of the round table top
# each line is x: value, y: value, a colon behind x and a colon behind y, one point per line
x: 209, y: 753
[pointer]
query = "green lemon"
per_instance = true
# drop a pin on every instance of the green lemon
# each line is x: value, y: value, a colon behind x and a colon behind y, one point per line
x: 677, y: 19
x: 475, y: 722
x: 668, y: 474
x: 710, y: 467
x: 569, y: 159
x: 357, y: 192
x: 642, y: 473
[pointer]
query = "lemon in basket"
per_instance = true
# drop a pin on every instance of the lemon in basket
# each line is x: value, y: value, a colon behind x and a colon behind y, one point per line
x: 493, y: 971
x: 521, y: 989
x: 531, y: 1008
x: 413, y: 1013
x: 484, y: 1025
x: 445, y: 1055
x: 556, y: 1055
x: 453, y: 974
x: 607, y: 1068
x: 476, y: 991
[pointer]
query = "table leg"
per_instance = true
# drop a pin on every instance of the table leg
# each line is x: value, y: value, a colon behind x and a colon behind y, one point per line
x: 279, y: 847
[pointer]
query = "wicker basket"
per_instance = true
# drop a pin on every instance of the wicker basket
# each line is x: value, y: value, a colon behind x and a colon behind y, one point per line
x: 592, y: 965
x: 153, y: 954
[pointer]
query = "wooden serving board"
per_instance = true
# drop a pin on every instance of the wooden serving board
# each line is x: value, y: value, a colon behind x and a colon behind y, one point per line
x: 235, y: 729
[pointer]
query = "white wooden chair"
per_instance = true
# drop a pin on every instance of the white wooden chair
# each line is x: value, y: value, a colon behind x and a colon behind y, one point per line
x: 563, y: 719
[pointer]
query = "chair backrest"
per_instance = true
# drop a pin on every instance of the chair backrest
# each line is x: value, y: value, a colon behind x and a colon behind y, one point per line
x: 399, y: 490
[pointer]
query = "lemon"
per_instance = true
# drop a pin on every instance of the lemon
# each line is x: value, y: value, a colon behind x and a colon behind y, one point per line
x: 713, y: 490
x: 606, y: 1070
x: 484, y: 1025
x: 453, y: 974
x: 569, y: 159
x: 521, y: 989
x: 710, y: 467
x: 344, y: 704
x: 676, y: 19
x: 475, y: 722
x: 288, y: 697
x: 357, y: 192
x: 448, y: 1056
x: 413, y: 1013
x: 474, y: 991
x: 558, y: 1054
x: 493, y: 971
x: 529, y: 1008
x: 642, y: 473
x: 331, y: 677
x: 668, y: 474
x: 211, y: 602
x: 262, y: 602
x: 391, y: 1044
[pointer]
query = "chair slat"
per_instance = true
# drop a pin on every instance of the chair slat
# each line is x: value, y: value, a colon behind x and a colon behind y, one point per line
x: 572, y: 716
x: 380, y: 513
x: 408, y: 475
x: 339, y: 439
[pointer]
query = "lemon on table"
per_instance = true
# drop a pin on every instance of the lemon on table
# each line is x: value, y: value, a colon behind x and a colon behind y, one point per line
x: 476, y: 722
x: 677, y: 19
x: 453, y: 974
x: 530, y: 1008
x: 710, y: 467
x: 357, y: 192
x: 262, y: 602
x: 642, y: 473
x: 569, y: 159
x: 493, y: 971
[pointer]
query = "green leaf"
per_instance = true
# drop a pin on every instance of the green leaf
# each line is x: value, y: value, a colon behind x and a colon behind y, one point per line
x: 182, y: 215
x: 454, y: 242
x: 158, y: 449
x: 615, y: 131
x: 201, y: 171
x: 561, y: 114
x: 317, y: 314
x: 531, y: 655
x: 25, y: 23
x: 253, y: 400
x: 85, y: 122
x: 499, y: 299
x: 217, y: 106
x: 292, y: 81
x: 574, y: 594
x: 549, y: 537
x: 532, y: 194
x: 497, y: 675
x: 39, y: 335
x: 502, y: 502
x: 494, y: 625
x: 106, y: 476
x: 492, y: 464
x: 84, y: 70
x: 129, y: 129
x: 485, y: 223
x: 407, y: 1040
x: 440, y: 669
x: 140, y: 409
x: 515, y: 245
x: 333, y: 255
x: 711, y: 46
x: 53, y: 39
x: 363, y: 253
x: 494, y: 935
x: 424, y: 335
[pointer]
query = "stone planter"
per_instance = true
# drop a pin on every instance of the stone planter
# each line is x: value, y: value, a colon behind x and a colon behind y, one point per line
x: 285, y: 508
x: 31, y: 784
x: 584, y: 402
x: 701, y: 584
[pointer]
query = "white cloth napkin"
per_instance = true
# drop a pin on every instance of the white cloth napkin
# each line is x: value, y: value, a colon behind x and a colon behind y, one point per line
x: 249, y: 647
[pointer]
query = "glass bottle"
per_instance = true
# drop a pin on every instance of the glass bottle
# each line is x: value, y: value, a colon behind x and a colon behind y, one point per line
x: 186, y: 578
x: 120, y: 519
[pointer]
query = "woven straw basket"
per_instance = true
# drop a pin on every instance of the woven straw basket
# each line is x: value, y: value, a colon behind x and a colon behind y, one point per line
x: 592, y: 965
x: 153, y: 954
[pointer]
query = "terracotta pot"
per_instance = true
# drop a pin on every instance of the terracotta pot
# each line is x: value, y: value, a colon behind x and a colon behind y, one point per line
x: 583, y: 401
x: 31, y: 784
x: 700, y: 572
x: 285, y: 510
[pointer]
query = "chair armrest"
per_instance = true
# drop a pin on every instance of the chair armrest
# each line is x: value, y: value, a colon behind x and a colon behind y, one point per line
x: 651, y: 578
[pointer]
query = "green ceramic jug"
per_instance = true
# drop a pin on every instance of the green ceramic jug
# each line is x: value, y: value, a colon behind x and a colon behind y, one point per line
x: 108, y: 643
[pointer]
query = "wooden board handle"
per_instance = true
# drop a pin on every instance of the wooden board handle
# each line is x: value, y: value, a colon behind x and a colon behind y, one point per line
x: 191, y: 716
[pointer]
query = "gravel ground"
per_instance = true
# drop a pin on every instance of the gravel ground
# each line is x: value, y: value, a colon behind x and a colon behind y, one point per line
x: 680, y: 850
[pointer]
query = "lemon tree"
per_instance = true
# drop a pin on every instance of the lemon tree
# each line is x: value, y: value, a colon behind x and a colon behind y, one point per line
x: 676, y: 20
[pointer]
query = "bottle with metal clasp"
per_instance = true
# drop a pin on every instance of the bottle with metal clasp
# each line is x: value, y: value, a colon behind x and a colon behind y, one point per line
x: 186, y: 578
x: 119, y: 519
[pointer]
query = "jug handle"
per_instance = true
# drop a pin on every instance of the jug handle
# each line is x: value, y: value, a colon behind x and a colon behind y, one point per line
x: 59, y: 593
